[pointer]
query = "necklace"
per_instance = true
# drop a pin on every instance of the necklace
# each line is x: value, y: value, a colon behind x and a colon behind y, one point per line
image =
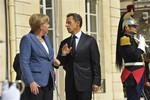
x: 39, y: 38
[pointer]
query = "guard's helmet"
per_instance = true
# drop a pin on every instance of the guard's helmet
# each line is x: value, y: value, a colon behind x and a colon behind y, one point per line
x: 129, y: 22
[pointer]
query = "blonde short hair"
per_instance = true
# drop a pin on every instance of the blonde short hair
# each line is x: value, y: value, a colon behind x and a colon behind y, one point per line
x: 36, y: 20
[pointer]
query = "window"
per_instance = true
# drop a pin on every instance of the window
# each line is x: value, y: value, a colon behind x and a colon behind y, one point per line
x: 92, y: 18
x: 92, y: 26
x: 47, y: 7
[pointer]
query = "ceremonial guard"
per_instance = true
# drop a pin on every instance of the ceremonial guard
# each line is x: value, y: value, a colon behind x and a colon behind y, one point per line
x: 128, y: 56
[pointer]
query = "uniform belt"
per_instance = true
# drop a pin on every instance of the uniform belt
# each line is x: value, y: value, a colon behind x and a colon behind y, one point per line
x: 134, y: 64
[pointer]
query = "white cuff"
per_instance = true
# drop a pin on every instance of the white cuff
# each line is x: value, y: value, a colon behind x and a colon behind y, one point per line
x: 63, y: 54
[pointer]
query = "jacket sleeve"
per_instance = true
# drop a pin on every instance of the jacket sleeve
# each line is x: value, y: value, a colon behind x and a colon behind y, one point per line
x: 61, y: 57
x: 25, y: 52
x: 95, y: 62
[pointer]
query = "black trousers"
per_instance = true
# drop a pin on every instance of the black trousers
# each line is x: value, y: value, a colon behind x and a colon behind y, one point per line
x: 45, y: 93
x: 23, y: 96
x: 134, y: 92
x: 76, y: 95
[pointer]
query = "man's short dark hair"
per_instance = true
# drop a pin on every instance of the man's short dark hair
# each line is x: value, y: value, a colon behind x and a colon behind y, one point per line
x: 76, y: 17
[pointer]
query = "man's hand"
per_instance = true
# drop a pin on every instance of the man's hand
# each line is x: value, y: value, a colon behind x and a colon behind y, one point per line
x: 95, y: 88
x: 10, y: 93
x: 66, y: 50
x: 34, y: 88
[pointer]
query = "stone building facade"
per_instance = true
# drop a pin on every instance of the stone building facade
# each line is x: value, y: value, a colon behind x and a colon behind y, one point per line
x: 100, y: 19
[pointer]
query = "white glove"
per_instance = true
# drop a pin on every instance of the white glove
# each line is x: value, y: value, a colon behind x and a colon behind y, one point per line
x: 142, y: 43
x: 10, y: 93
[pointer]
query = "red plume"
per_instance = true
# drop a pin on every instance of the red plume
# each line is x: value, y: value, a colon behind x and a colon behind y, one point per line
x: 129, y: 7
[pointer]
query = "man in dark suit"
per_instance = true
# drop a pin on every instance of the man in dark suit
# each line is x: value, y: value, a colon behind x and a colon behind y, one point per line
x: 147, y: 71
x: 16, y: 66
x: 80, y: 58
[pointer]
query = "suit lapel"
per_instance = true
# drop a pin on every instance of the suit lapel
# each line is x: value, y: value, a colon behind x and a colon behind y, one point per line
x: 81, y: 42
x: 69, y: 42
x: 48, y: 45
x: 38, y: 43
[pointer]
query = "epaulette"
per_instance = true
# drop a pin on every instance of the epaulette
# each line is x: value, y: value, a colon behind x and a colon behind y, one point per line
x: 125, y: 41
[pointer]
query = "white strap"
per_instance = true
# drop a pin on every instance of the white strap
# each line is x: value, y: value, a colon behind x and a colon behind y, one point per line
x: 134, y: 63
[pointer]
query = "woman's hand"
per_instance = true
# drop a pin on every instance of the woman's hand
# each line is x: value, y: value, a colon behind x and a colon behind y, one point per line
x: 56, y: 62
x: 34, y: 88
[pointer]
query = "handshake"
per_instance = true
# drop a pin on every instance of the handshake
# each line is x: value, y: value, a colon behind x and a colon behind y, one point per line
x: 142, y: 43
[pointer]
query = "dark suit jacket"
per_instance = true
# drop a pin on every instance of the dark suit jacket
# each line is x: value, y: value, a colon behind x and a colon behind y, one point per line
x: 147, y: 71
x: 16, y: 66
x: 82, y: 69
x: 35, y: 62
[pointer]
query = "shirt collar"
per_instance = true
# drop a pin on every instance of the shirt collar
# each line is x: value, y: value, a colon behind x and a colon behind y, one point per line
x: 78, y: 35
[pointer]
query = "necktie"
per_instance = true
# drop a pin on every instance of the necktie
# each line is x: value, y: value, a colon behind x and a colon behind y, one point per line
x: 73, y: 45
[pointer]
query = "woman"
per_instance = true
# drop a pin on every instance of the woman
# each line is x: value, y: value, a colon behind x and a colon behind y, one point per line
x: 36, y: 59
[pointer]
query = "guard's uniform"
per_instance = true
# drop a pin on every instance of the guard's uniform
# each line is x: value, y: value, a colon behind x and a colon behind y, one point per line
x: 129, y: 53
x: 133, y: 72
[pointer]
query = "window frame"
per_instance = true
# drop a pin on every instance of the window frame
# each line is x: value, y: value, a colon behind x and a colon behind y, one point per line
x: 53, y: 29
x: 88, y: 14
